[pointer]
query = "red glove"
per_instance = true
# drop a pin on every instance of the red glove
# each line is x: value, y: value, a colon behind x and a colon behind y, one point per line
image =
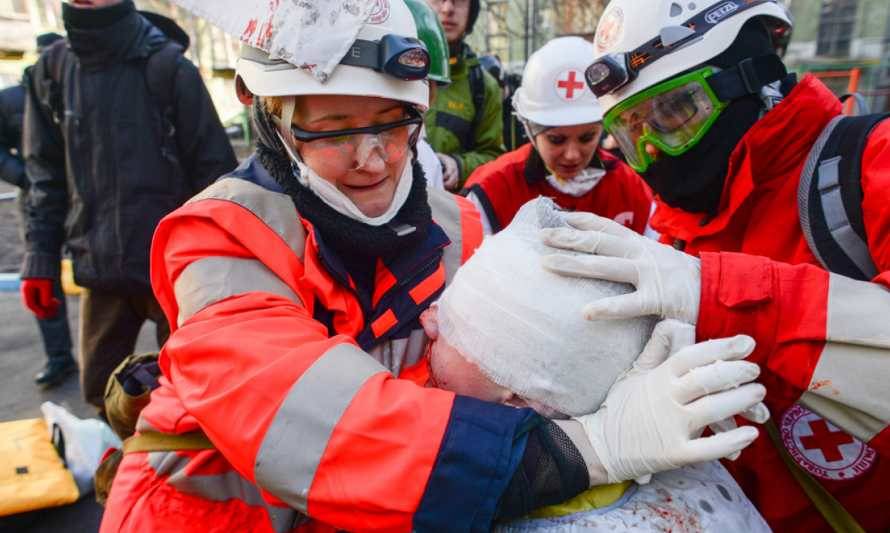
x: 37, y: 294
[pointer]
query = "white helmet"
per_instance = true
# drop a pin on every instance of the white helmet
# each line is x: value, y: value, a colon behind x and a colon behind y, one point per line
x: 267, y: 77
x: 553, y: 91
x: 680, y: 35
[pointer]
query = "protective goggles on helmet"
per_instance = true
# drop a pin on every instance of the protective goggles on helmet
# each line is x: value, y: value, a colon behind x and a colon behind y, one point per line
x: 672, y: 116
x: 405, y: 58
x: 614, y: 71
x: 391, y: 140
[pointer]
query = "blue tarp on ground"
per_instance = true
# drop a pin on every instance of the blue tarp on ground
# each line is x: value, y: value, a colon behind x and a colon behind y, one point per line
x: 9, y: 282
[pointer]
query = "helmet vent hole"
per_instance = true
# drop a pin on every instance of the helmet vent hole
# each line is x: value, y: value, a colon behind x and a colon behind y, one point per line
x: 692, y: 6
x: 676, y: 10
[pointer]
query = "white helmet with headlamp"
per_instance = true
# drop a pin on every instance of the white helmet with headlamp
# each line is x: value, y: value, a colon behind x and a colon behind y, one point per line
x: 650, y: 69
x: 386, y: 60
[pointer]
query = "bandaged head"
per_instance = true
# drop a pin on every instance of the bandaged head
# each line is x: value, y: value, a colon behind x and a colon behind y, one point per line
x: 522, y: 325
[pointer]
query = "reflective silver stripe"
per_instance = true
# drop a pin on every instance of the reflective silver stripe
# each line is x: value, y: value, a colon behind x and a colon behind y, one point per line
x: 803, y: 187
x: 858, y: 313
x: 218, y: 487
x: 852, y: 421
x: 838, y: 222
x: 276, y: 210
x: 399, y: 354
x: 486, y: 224
x: 446, y: 214
x: 298, y: 436
x: 854, y: 364
x: 213, y: 279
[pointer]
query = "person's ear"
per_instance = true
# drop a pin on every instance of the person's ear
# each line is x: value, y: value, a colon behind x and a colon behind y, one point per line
x: 430, y: 322
x: 243, y: 93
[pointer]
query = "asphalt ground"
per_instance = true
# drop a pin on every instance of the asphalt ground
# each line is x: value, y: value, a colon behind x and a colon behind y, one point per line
x: 21, y: 357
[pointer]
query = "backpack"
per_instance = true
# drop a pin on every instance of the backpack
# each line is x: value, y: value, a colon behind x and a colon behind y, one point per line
x: 830, y: 197
x: 477, y: 91
x: 160, y: 75
x: 127, y: 392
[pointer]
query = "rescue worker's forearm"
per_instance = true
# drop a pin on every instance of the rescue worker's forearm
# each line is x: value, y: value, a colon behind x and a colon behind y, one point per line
x: 824, y: 335
x: 558, y: 464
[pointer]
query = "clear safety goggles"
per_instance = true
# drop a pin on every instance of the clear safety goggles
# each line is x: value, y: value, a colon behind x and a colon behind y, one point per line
x: 672, y: 116
x: 391, y: 141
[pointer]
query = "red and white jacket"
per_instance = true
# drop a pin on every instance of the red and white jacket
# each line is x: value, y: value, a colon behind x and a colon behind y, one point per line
x: 823, y: 341
x: 310, y: 388
x: 504, y: 185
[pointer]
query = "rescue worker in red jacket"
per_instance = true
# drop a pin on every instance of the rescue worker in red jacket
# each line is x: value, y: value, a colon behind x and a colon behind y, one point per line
x: 563, y: 160
x: 705, y: 111
x: 291, y: 397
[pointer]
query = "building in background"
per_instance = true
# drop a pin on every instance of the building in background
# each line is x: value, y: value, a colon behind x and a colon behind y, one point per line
x: 214, y: 52
x: 846, y: 43
x: 513, y: 29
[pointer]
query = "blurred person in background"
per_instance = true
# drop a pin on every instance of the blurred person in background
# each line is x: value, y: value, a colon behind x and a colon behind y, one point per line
x: 563, y: 161
x: 53, y: 319
x: 465, y: 124
x: 119, y: 130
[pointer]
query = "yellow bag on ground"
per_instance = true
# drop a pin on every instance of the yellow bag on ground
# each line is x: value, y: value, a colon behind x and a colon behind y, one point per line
x: 32, y: 476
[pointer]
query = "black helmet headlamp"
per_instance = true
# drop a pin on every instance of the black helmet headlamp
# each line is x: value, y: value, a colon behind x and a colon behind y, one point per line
x: 405, y: 58
x: 613, y: 71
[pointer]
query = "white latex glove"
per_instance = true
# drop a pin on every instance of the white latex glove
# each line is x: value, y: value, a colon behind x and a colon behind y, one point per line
x: 450, y: 171
x: 653, y: 417
x: 668, y: 281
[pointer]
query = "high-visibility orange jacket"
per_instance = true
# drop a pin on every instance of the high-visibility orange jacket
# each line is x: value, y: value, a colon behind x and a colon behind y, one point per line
x: 823, y: 340
x: 289, y: 368
x: 504, y: 185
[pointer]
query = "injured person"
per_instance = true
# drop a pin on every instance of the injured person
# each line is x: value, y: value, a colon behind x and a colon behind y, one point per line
x: 507, y: 330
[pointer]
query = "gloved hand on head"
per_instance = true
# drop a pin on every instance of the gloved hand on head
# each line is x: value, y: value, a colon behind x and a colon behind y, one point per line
x: 667, y: 281
x: 507, y: 330
x: 653, y: 417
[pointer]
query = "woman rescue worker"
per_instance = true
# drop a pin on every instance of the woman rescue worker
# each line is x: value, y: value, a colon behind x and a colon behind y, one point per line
x: 289, y: 398
x: 563, y: 161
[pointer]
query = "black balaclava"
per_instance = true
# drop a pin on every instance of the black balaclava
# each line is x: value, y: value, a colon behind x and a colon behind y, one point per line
x: 694, y: 181
x: 355, y: 243
x: 108, y: 35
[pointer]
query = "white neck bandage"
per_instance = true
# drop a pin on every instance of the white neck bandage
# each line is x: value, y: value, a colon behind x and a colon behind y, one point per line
x: 327, y: 191
x: 522, y: 325
x: 581, y: 184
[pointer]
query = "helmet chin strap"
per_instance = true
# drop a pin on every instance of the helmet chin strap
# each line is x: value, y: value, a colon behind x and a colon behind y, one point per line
x: 327, y: 191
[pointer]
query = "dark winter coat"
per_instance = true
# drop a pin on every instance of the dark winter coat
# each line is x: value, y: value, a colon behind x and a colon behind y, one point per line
x: 102, y: 171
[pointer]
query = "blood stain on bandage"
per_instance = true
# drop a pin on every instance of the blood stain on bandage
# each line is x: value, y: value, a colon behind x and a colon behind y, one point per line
x: 822, y: 384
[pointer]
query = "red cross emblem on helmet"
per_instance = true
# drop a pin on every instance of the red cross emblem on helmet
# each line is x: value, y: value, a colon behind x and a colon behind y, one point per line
x: 570, y: 85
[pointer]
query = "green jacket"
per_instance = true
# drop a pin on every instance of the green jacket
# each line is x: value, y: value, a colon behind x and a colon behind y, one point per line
x: 451, y: 116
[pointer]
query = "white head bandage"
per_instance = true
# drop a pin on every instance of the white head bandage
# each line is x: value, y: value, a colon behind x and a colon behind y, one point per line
x: 523, y: 327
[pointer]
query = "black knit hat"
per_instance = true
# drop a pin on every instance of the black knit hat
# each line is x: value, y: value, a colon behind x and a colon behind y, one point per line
x: 475, y: 5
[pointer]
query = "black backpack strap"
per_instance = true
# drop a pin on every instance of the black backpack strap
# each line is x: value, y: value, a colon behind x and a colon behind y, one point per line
x: 830, y: 197
x: 160, y: 75
x: 56, y: 63
x: 477, y: 92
